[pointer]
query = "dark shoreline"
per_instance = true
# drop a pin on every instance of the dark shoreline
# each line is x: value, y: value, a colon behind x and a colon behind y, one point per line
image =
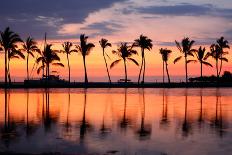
x: 22, y: 85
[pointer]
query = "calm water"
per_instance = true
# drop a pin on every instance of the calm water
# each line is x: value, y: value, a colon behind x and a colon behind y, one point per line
x: 120, y: 121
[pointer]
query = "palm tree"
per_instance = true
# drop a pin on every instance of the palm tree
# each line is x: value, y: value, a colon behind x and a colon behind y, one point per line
x: 104, y: 44
x: 144, y: 43
x: 8, y: 41
x: 30, y: 46
x: 48, y: 57
x: 223, y: 44
x: 165, y: 56
x: 202, y: 56
x: 13, y: 54
x: 84, y: 48
x: 67, y: 49
x: 124, y: 52
x: 215, y: 53
x: 186, y: 49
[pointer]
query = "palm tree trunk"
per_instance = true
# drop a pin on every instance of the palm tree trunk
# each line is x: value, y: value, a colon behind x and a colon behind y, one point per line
x: 6, y: 70
x: 186, y: 69
x: 27, y: 66
x: 142, y: 50
x: 220, y: 68
x: 169, y: 81
x: 163, y: 71
x: 86, y: 76
x: 144, y: 69
x: 68, y: 68
x: 9, y: 71
x: 201, y: 70
x: 106, y: 65
x: 125, y: 70
x: 217, y: 69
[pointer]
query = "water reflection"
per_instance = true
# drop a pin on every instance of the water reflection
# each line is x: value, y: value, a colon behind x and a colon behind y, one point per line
x: 145, y: 129
x: 87, y: 121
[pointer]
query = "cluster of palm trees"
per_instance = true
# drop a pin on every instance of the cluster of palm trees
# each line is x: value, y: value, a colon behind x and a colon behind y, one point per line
x: 10, y: 41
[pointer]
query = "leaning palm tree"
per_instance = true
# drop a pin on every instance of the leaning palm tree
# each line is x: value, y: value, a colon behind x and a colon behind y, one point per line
x: 186, y: 49
x: 30, y: 46
x: 13, y: 54
x: 124, y: 52
x: 48, y: 57
x: 144, y: 43
x: 104, y: 44
x: 202, y: 56
x: 8, y: 41
x: 223, y: 44
x: 84, y: 48
x: 67, y: 49
x: 165, y: 56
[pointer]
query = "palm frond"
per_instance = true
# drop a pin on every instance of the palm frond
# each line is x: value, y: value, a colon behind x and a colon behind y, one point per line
x: 177, y: 59
x: 115, y: 63
x: 134, y: 61
x: 207, y: 63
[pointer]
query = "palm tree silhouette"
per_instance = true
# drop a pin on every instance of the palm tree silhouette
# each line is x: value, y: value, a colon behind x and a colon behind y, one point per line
x: 104, y: 44
x: 144, y: 43
x: 223, y: 44
x: 48, y: 57
x: 30, y: 46
x: 202, y: 56
x: 84, y: 48
x: 124, y: 52
x: 216, y: 53
x: 67, y: 49
x: 165, y: 56
x: 13, y: 54
x: 186, y: 49
x: 8, y: 41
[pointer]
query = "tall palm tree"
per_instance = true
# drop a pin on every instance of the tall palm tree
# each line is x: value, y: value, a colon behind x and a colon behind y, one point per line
x: 67, y: 49
x: 124, y: 52
x: 30, y: 46
x: 48, y: 57
x: 202, y: 56
x: 84, y: 48
x: 13, y: 54
x: 215, y: 53
x: 8, y: 41
x: 165, y: 56
x: 223, y: 44
x: 186, y: 49
x: 104, y: 44
x: 144, y: 43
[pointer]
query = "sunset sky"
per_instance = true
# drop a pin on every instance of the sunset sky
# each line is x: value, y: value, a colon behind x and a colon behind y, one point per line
x: 164, y: 21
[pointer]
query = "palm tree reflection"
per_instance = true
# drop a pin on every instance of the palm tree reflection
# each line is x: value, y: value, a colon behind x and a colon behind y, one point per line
x: 218, y: 123
x: 30, y: 125
x: 85, y: 126
x: 8, y: 132
x: 164, y: 122
x: 67, y: 124
x: 186, y: 126
x: 201, y: 118
x: 104, y: 130
x: 48, y: 119
x: 125, y: 122
x: 145, y: 130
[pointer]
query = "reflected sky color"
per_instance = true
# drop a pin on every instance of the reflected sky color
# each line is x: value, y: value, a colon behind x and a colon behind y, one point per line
x: 128, y: 121
x: 162, y: 20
